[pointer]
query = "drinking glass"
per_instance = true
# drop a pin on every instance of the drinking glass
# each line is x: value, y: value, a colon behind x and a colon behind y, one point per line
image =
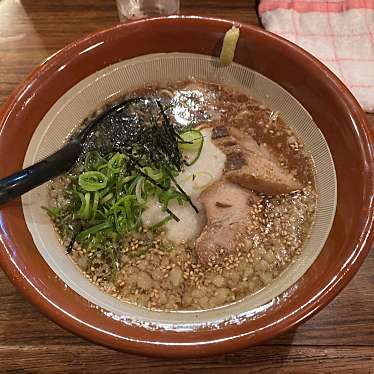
x: 135, y: 9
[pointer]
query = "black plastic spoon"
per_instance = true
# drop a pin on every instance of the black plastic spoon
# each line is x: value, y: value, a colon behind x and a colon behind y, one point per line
x: 59, y: 162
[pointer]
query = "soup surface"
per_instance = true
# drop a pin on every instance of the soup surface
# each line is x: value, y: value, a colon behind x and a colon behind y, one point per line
x: 189, y: 196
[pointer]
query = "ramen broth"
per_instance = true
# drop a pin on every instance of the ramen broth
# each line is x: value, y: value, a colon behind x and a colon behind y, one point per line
x: 217, y: 227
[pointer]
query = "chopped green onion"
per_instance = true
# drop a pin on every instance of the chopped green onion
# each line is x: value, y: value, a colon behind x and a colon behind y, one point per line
x: 93, y: 160
x: 84, y: 211
x: 92, y: 230
x: 92, y: 180
x: 166, y: 196
x: 95, y: 204
x: 192, y: 140
x: 103, y: 192
x: 106, y: 198
x: 53, y: 211
x: 139, y: 190
x: 156, y: 175
x: 116, y: 162
x: 195, y: 145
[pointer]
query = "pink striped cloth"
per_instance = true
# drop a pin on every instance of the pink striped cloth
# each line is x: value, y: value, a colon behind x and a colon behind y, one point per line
x: 340, y: 33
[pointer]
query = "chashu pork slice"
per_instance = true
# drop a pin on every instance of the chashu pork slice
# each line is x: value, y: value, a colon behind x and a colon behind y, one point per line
x: 260, y: 175
x: 228, y: 209
x: 251, y: 165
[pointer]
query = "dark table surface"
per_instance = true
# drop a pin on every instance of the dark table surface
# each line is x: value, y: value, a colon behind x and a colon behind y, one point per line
x: 338, y: 339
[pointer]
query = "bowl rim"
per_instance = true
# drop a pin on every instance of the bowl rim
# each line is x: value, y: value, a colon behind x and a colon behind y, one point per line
x: 343, y: 276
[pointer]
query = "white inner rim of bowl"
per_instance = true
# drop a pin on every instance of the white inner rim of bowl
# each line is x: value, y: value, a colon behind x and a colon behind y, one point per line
x: 97, y: 89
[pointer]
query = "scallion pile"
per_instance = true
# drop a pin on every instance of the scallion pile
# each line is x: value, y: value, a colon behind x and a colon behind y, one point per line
x: 108, y: 189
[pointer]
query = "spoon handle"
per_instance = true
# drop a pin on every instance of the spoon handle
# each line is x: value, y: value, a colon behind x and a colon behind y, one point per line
x: 25, y: 180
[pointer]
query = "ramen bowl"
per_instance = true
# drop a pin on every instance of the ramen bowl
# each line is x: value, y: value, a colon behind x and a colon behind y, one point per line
x: 60, y: 93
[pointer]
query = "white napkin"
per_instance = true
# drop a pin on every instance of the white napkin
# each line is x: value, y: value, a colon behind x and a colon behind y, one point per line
x: 340, y: 33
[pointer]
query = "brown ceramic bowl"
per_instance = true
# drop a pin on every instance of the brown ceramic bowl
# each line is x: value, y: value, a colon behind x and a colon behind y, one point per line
x: 334, y: 110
